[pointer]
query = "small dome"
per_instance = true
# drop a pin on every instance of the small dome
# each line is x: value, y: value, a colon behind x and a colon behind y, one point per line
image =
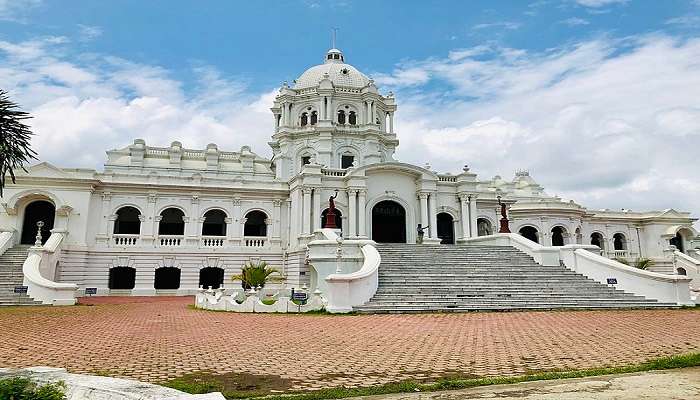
x: 339, y: 73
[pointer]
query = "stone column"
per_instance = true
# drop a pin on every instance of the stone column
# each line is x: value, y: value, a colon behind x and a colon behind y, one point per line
x: 391, y: 122
x: 192, y: 229
x: 106, y: 213
x: 368, y: 112
x: 433, y: 215
x: 276, y: 220
x: 236, y: 230
x: 474, y: 228
x: 464, y: 216
x: 352, y: 213
x: 150, y: 228
x: 317, y: 210
x: 305, y: 212
x: 361, y: 204
x: 423, y: 208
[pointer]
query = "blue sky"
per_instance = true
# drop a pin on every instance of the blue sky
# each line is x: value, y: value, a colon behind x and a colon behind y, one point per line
x: 595, y: 97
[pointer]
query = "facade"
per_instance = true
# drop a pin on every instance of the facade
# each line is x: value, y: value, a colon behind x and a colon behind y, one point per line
x: 170, y: 219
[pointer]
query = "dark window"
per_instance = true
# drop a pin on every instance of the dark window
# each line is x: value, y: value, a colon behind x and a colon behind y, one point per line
x: 597, y: 239
x: 341, y: 117
x: 214, y: 223
x: 127, y: 222
x: 167, y: 278
x: 211, y: 277
x: 122, y: 278
x: 34, y: 212
x: 445, y: 228
x: 619, y: 242
x: 305, y: 160
x: 255, y: 224
x: 529, y: 232
x: 346, y: 161
x: 352, y: 118
x: 172, y: 222
x: 314, y: 117
x: 304, y: 119
x: 557, y: 236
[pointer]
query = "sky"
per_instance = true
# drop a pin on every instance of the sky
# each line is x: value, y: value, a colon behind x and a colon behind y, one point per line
x: 598, y: 99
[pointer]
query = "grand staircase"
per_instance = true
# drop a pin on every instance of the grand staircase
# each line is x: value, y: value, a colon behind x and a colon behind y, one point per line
x: 11, y: 275
x: 471, y: 278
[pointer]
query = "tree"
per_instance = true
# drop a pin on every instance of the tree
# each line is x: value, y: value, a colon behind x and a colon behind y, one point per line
x: 15, y: 136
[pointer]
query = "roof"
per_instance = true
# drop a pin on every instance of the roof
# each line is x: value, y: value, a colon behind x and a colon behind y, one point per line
x: 340, y: 73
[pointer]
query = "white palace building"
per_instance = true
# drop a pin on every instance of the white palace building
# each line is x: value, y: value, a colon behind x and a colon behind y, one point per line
x: 169, y: 220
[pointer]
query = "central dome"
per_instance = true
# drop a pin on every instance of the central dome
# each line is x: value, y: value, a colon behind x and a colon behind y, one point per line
x: 339, y: 73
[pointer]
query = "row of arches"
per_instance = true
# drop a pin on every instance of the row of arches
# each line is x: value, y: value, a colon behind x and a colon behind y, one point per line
x: 558, y: 234
x: 166, y: 278
x: 172, y: 222
x: 342, y: 117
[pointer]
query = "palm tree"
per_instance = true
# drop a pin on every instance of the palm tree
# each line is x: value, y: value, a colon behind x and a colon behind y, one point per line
x: 15, y: 149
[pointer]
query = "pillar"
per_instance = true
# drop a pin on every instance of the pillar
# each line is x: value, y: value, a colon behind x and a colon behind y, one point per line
x: 236, y: 230
x: 391, y: 122
x: 474, y: 229
x: 368, y: 112
x: 106, y: 213
x: 352, y: 213
x: 150, y: 229
x: 317, y: 209
x: 464, y: 216
x: 191, y: 228
x: 433, y: 215
x: 305, y: 212
x: 423, y: 208
x: 276, y: 219
x: 361, y: 214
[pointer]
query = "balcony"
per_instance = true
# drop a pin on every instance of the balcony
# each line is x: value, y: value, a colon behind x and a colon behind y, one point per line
x: 125, y: 240
x: 212, y: 241
x: 619, y: 254
x: 254, y: 241
x: 170, y: 240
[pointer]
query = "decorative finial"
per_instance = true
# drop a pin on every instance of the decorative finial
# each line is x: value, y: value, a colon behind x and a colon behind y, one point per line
x: 465, y: 168
x: 333, y: 37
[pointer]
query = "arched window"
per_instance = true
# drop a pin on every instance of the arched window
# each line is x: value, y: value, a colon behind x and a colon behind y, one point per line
x: 483, y: 227
x: 36, y: 211
x: 128, y: 221
x: 558, y: 236
x: 597, y: 240
x: 681, y: 271
x: 172, y: 222
x: 211, y: 277
x: 678, y: 242
x: 341, y: 117
x: 347, y: 160
x: 529, y: 232
x: 214, y: 223
x: 167, y: 278
x: 619, y: 241
x: 352, y: 118
x: 255, y: 224
x: 314, y: 117
x: 304, y: 119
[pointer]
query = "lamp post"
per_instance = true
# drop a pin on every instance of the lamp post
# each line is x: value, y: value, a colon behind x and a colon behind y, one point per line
x: 39, y: 225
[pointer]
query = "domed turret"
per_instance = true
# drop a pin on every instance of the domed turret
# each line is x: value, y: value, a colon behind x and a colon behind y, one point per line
x: 336, y: 70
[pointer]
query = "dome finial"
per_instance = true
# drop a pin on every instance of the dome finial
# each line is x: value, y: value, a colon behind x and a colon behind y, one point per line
x: 334, y: 33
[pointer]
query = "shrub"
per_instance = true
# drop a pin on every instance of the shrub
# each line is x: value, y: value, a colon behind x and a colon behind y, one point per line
x: 254, y: 275
x: 644, y: 263
x: 19, y: 388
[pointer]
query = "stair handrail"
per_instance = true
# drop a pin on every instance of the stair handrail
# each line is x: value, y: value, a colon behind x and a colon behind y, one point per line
x: 7, y: 240
x: 40, y: 263
x: 358, y: 260
x: 691, y: 267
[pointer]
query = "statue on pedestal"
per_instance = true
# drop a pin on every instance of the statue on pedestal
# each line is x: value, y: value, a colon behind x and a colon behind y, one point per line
x: 504, y: 218
x: 330, y: 215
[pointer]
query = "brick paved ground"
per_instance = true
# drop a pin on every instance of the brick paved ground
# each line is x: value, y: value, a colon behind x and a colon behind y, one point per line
x: 154, y: 339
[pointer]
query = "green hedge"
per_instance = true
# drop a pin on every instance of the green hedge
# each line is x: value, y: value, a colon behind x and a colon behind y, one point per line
x: 24, y: 389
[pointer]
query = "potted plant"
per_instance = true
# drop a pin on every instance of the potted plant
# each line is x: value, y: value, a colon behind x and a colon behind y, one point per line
x: 254, y: 275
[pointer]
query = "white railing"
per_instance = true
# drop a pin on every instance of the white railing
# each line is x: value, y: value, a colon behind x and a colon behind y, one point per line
x: 333, y: 172
x: 619, y: 254
x: 170, y: 240
x: 690, y: 265
x: 447, y: 178
x: 7, y: 240
x: 125, y: 240
x: 39, y: 270
x: 213, y: 241
x: 254, y: 241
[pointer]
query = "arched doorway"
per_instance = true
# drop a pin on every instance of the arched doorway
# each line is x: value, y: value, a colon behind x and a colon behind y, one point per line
x: 597, y: 240
x: 558, y: 236
x: 214, y: 223
x: 338, y: 218
x: 445, y: 228
x: 678, y: 242
x: 388, y: 222
x: 211, y: 277
x: 255, y: 224
x: 128, y: 221
x: 36, y: 211
x: 529, y: 232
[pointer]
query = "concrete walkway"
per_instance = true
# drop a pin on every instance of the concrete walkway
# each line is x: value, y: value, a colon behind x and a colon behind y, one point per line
x: 678, y: 384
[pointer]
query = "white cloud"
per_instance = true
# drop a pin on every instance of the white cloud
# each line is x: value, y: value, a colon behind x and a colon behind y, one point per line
x: 88, y: 32
x: 686, y: 21
x: 107, y: 102
x: 575, y: 21
x: 609, y: 123
x: 15, y: 10
x: 495, y: 25
x: 599, y: 3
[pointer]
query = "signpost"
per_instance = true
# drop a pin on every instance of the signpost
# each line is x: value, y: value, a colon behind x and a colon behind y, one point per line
x: 301, y: 298
x: 90, y: 291
x: 612, y: 281
x: 21, y: 289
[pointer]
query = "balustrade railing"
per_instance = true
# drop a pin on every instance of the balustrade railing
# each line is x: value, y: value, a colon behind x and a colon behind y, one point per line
x: 620, y: 253
x: 213, y: 241
x: 125, y: 240
x: 170, y: 240
x: 254, y: 241
x: 333, y: 172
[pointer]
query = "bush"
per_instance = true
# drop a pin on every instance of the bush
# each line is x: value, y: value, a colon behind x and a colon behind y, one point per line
x: 18, y: 388
x: 254, y: 275
x: 644, y: 263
